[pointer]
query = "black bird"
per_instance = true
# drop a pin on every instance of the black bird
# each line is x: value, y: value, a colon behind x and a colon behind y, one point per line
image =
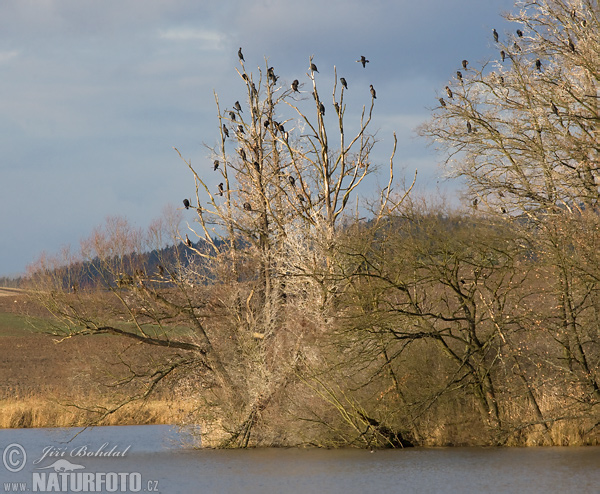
x: 240, y: 55
x: 571, y: 45
x: 292, y: 180
x: 516, y: 46
x: 241, y: 129
x: 442, y: 102
x: 519, y: 33
x: 295, y: 85
x: 322, y: 108
x: 186, y: 204
x: 225, y: 130
x: 337, y: 107
x: 495, y: 35
x: 242, y: 154
x: 344, y: 83
x: 245, y: 77
x: 257, y: 166
x: 502, y: 55
x: 538, y: 64
x: 363, y: 60
x: 313, y: 67
x: 373, y: 92
x: 215, y: 165
x: 247, y: 206
x: 266, y: 124
x: 459, y: 75
x: 271, y: 74
x: 188, y: 242
x: 465, y: 63
x: 475, y: 202
x: 554, y: 108
x: 449, y: 92
x: 238, y: 107
x: 221, y: 189
x: 469, y: 128
x: 231, y: 115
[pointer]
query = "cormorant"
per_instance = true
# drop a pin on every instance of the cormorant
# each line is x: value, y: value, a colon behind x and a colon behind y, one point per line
x: 516, y: 46
x: 238, y: 107
x: 240, y: 55
x: 373, y: 91
x: 232, y: 115
x: 519, y: 33
x: 221, y: 189
x: 322, y: 108
x: 554, y: 108
x: 495, y: 35
x: 215, y: 165
x: 442, y: 102
x: 225, y: 130
x: 449, y: 92
x: 363, y: 60
x: 459, y: 75
x: 257, y: 166
x: 247, y: 206
x: 295, y: 85
x: 344, y: 83
x: 292, y: 180
x: 242, y: 153
x: 188, y: 242
x: 469, y: 128
x: 313, y: 67
x: 186, y: 204
x: 465, y: 63
x: 538, y: 64
x: 241, y: 129
x: 502, y: 55
x: 571, y: 45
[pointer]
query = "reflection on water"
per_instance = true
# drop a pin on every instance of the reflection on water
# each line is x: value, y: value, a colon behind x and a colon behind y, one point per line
x: 163, y: 458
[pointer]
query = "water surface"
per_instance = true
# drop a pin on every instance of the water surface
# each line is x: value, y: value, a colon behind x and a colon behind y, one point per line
x: 165, y: 462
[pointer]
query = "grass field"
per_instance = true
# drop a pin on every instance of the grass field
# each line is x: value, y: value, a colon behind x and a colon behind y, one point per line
x: 41, y: 378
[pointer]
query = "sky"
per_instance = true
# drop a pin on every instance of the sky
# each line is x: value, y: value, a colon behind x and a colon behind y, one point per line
x: 95, y: 94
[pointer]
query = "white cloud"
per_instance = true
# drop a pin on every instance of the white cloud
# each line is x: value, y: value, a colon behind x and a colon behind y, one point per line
x: 210, y: 39
x: 7, y: 56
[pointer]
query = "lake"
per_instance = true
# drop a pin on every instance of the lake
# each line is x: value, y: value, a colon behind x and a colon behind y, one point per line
x: 162, y: 459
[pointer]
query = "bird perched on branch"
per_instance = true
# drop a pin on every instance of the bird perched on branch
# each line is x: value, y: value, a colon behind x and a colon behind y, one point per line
x: 519, y: 33
x: 247, y: 206
x: 449, y: 92
x: 242, y: 154
x: 215, y: 165
x: 295, y: 85
x: 495, y: 33
x: 186, y: 204
x: 188, y: 242
x: 502, y: 55
x: 313, y: 67
x: 238, y: 107
x: 459, y: 75
x: 292, y: 180
x: 442, y: 102
x: 343, y: 82
x: 465, y: 63
x: 363, y: 60
x: 538, y: 64
x: 225, y: 130
x: 221, y: 189
x: 322, y: 108
x: 232, y: 115
x: 240, y: 55
x: 373, y: 93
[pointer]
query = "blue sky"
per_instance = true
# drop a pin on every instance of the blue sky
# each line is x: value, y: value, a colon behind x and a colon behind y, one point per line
x: 94, y: 94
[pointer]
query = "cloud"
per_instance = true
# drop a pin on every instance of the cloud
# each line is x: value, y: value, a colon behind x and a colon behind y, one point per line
x: 7, y: 56
x: 210, y: 39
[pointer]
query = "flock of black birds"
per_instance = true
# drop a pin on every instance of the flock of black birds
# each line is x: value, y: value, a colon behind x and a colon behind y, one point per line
x: 503, y: 54
x: 271, y: 76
